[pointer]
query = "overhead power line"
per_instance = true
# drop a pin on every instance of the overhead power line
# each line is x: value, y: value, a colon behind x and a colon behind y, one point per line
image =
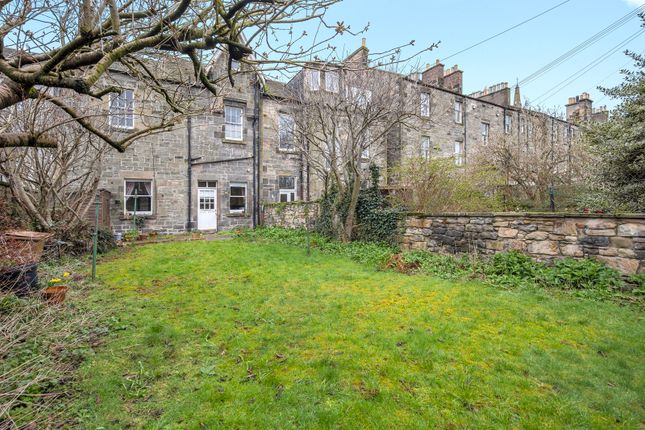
x: 506, y: 31
x: 582, y: 46
x: 575, y: 76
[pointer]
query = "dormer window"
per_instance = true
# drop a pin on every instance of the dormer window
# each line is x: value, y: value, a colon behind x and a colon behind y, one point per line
x: 314, y: 80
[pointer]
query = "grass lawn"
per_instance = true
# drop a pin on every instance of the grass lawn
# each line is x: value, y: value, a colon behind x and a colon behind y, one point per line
x: 229, y: 334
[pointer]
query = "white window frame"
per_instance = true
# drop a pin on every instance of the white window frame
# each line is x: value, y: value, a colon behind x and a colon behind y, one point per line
x: 459, y: 112
x: 485, y: 132
x: 236, y: 65
x: 286, y: 116
x: 366, y: 144
x: 425, y: 104
x: 126, y: 196
x: 425, y: 147
x: 122, y: 113
x: 314, y: 79
x: 230, y: 195
x: 227, y: 124
x: 508, y: 123
x: 335, y: 88
x: 361, y: 96
x: 289, y: 192
x: 459, y: 156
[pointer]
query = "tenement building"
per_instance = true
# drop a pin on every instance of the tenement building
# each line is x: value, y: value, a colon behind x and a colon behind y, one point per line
x: 217, y: 168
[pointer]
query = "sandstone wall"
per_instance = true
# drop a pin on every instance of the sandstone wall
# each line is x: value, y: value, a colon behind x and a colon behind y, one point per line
x: 290, y: 215
x: 619, y: 241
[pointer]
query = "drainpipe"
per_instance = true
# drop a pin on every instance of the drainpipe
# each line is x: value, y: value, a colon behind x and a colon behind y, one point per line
x: 189, y: 224
x: 256, y: 153
x: 465, y: 104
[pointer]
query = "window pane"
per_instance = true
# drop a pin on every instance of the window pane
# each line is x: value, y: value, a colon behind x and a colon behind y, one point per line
x: 237, y: 203
x: 238, y: 191
x: 144, y: 204
x: 233, y: 117
x: 286, y: 131
x: 287, y: 182
x: 122, y: 109
x: 332, y: 82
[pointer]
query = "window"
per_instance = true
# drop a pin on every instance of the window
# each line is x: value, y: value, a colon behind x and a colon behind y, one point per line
x: 233, y: 122
x: 314, y: 80
x: 425, y: 147
x: 360, y: 96
x: 122, y: 109
x: 508, y: 123
x: 459, y: 112
x: 287, y: 186
x: 522, y: 125
x: 366, y: 143
x: 237, y: 198
x: 425, y: 104
x: 206, y: 184
x: 485, y: 129
x: 235, y: 65
x: 138, y: 197
x: 459, y: 155
x: 332, y: 82
x: 286, y: 132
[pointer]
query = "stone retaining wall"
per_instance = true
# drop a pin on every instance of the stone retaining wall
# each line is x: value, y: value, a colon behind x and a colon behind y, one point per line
x: 619, y: 241
x: 289, y: 215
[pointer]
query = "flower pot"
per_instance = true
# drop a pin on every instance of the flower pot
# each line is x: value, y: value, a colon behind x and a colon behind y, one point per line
x: 55, y: 294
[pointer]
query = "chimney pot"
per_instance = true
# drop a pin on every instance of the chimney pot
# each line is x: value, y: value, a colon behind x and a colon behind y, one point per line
x: 364, y: 42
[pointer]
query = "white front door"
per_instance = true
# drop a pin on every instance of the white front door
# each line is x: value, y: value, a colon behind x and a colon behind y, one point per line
x: 207, y: 212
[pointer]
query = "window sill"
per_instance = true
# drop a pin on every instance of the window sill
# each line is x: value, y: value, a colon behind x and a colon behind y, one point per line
x: 238, y: 215
x: 287, y: 151
x: 130, y: 217
x: 234, y: 142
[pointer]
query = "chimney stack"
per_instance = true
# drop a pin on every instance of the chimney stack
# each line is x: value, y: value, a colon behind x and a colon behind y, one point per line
x: 453, y: 79
x: 433, y: 75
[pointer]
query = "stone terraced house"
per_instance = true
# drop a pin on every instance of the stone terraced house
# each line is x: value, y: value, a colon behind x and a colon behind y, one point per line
x: 215, y: 170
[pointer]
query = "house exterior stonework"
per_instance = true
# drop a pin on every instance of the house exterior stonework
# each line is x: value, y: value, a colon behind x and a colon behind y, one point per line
x: 197, y: 175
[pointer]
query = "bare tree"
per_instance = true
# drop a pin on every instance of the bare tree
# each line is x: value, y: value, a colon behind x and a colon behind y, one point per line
x: 78, y: 45
x: 345, y: 125
x: 54, y: 187
x: 547, y: 154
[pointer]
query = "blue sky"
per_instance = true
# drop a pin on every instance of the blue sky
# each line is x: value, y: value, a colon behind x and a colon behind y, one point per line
x: 514, y: 55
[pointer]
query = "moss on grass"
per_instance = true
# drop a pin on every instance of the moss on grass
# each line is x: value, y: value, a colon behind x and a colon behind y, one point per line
x: 228, y: 334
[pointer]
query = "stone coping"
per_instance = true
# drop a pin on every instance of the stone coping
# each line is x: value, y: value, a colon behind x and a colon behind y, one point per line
x: 287, y: 204
x: 524, y: 215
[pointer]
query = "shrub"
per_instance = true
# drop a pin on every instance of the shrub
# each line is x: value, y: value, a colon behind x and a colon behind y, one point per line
x: 376, y: 221
x: 587, y: 274
x: 105, y: 240
x: 513, y: 263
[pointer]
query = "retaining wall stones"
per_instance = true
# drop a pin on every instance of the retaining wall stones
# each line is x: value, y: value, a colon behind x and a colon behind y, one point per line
x: 290, y: 215
x: 619, y: 241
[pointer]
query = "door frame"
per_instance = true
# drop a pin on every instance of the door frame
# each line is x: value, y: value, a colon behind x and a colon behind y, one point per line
x: 199, y: 190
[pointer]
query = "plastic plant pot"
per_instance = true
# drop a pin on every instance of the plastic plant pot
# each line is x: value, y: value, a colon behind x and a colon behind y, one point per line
x: 55, y: 294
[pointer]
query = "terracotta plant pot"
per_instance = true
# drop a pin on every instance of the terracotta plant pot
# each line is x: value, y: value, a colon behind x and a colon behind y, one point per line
x: 55, y: 294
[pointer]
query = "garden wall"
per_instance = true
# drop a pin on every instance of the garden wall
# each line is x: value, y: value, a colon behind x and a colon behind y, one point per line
x: 289, y: 215
x: 619, y: 241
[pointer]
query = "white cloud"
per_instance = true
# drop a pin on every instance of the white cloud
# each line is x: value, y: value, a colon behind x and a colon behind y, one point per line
x: 635, y: 3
